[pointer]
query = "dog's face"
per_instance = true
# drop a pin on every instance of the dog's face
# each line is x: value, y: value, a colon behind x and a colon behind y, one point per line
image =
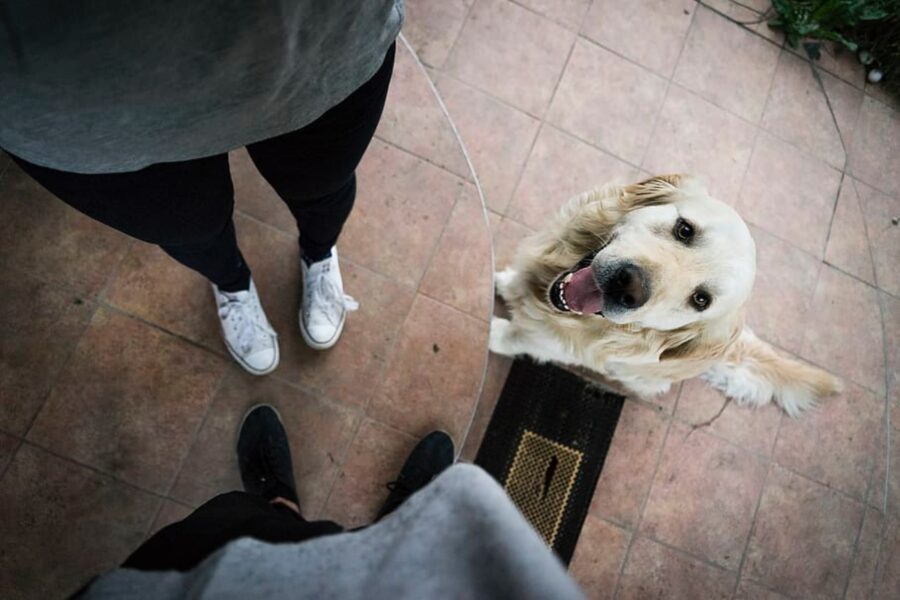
x: 680, y: 258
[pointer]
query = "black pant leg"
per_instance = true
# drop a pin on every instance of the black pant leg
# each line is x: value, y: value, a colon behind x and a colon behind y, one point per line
x: 184, y: 207
x: 313, y: 168
x: 183, y: 545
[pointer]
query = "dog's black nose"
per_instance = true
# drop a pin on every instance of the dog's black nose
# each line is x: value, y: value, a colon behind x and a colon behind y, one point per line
x: 627, y: 287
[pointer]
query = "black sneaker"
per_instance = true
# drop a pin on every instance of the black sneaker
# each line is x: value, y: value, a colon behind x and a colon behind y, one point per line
x: 432, y: 454
x: 264, y: 455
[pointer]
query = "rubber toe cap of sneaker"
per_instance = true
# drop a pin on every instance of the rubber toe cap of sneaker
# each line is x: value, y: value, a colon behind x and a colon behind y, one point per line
x: 262, y: 361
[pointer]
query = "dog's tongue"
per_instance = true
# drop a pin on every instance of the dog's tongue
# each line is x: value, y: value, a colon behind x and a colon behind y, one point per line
x: 582, y: 293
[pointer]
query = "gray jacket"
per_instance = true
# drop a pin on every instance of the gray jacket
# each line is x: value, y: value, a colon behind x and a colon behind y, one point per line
x: 100, y: 86
x: 460, y: 537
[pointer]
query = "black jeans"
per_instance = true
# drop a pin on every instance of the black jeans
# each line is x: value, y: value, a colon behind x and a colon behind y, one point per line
x: 186, y: 207
x: 183, y: 545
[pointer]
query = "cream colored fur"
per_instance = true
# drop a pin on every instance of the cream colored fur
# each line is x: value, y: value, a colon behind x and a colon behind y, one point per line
x: 663, y: 341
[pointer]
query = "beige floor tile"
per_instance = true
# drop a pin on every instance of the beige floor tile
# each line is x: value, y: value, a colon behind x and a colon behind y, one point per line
x: 727, y: 65
x: 649, y: 32
x: 83, y: 254
x: 790, y: 194
x: 497, y: 138
x: 703, y: 496
x: 833, y: 443
x: 375, y: 458
x: 598, y: 557
x: 848, y: 243
x: 696, y: 137
x: 802, y: 543
x: 413, y: 119
x: 460, y: 271
x: 319, y: 433
x: 568, y: 13
x: 434, y: 376
x: 751, y: 428
x: 845, y: 337
x: 432, y: 27
x: 654, y: 571
x: 129, y: 401
x: 512, y: 53
x: 79, y: 524
x: 40, y: 325
x: 608, y: 101
x: 875, y: 150
x: 151, y: 285
x: 560, y: 167
x: 865, y: 563
x: 880, y: 211
x: 783, y: 292
x: 507, y: 236
x: 630, y: 464
x: 798, y: 111
x: 494, y: 379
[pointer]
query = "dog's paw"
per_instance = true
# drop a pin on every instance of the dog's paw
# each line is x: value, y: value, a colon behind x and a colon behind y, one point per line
x: 503, y: 280
x: 499, y: 341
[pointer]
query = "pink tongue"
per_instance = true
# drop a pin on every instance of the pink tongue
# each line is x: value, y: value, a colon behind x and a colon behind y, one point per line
x: 582, y: 294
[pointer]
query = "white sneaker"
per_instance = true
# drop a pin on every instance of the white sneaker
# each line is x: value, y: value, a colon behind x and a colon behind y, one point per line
x: 248, y: 336
x: 325, y: 305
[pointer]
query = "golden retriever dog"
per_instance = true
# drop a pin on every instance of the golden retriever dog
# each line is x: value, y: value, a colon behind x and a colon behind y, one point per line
x: 646, y: 284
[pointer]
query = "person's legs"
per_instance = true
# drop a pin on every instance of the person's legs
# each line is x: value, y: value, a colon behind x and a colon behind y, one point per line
x: 313, y: 170
x: 186, y: 208
x: 227, y: 517
x: 267, y: 510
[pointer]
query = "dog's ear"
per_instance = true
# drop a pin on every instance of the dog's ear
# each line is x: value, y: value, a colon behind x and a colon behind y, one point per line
x: 661, y: 189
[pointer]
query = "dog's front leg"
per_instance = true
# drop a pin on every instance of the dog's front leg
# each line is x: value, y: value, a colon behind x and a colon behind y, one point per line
x: 504, y: 281
x: 505, y: 338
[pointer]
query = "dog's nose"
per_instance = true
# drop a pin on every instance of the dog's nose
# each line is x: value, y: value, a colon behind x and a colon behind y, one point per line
x: 627, y: 287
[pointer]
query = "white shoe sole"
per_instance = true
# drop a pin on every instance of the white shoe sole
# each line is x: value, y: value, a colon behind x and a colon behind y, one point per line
x: 250, y: 369
x: 322, y: 345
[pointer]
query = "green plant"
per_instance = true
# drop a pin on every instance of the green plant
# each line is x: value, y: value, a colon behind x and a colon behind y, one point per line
x: 832, y: 20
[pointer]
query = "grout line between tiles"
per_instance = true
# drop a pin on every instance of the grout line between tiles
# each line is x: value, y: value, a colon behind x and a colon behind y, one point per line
x: 640, y: 517
x: 452, y: 49
x: 12, y: 456
x: 886, y: 366
x: 62, y: 367
x: 741, y: 24
x: 762, y: 491
x: 430, y: 161
x: 552, y: 19
x: 856, y: 549
x: 487, y: 224
x: 669, y: 80
x: 115, y: 478
x: 226, y: 374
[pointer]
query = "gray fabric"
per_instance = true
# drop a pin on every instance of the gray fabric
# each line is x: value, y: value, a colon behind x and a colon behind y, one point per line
x: 460, y: 537
x: 100, y: 86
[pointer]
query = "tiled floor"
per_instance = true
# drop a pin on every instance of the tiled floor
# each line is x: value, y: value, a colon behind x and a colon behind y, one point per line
x: 554, y: 97
x: 119, y: 406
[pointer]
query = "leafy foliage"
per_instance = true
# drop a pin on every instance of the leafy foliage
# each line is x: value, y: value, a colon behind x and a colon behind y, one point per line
x: 833, y: 20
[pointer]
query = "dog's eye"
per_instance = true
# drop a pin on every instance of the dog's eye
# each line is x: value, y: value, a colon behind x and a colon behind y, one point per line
x: 684, y: 231
x: 700, y: 299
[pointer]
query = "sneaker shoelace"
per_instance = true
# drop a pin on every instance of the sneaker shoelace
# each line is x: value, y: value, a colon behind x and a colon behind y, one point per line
x: 323, y: 293
x: 241, y: 314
